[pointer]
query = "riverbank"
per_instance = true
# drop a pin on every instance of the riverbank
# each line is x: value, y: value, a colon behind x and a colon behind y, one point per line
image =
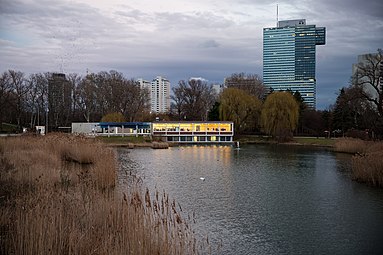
x: 132, y: 142
x: 302, y: 141
x: 58, y: 195
x: 367, y: 159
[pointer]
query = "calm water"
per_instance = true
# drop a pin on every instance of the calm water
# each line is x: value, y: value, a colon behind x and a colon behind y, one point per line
x: 264, y: 199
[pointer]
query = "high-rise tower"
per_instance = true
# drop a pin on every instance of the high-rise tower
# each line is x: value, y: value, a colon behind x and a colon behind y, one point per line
x: 289, y: 57
x: 160, y: 95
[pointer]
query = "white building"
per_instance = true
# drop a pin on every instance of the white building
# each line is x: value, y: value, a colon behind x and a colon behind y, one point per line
x: 218, y: 88
x: 160, y: 95
x: 144, y: 84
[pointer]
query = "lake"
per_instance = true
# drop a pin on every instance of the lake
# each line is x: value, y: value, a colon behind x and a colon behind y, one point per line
x: 267, y: 199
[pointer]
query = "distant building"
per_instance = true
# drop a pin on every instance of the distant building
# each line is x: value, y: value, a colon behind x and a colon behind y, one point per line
x: 194, y: 131
x: 160, y: 95
x: 59, y: 101
x: 289, y: 57
x: 144, y: 84
x: 218, y: 88
x: 169, y: 131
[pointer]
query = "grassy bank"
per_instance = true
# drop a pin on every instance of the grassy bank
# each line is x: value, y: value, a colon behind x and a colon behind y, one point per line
x: 313, y: 141
x: 58, y: 196
x: 132, y: 142
x: 123, y: 139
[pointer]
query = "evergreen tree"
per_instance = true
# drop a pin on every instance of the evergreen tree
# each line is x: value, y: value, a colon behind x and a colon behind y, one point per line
x: 214, y: 112
x: 342, y: 115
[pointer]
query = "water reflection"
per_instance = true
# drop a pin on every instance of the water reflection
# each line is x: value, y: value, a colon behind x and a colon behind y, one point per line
x: 268, y: 199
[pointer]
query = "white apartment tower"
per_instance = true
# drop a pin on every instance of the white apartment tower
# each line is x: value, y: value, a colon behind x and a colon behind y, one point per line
x: 160, y: 95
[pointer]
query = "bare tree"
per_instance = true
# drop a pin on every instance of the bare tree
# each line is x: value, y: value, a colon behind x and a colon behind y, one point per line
x: 136, y: 100
x: 5, y: 90
x: 193, y: 100
x: 177, y: 106
x: 369, y: 78
x: 250, y: 83
x: 19, y: 88
x: 31, y: 99
x: 110, y: 92
x: 86, y: 96
x: 74, y: 81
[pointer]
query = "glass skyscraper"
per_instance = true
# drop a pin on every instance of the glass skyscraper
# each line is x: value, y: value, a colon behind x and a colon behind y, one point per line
x: 289, y: 57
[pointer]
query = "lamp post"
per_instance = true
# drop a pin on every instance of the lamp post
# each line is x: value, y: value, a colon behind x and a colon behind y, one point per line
x: 46, y: 121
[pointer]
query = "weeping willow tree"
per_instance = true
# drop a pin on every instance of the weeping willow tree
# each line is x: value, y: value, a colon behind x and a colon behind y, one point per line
x: 280, y: 115
x: 240, y: 107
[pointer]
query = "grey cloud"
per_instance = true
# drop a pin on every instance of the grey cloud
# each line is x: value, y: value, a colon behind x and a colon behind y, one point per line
x: 367, y: 7
x: 130, y: 12
x: 194, y: 21
x: 209, y: 44
x: 206, y: 43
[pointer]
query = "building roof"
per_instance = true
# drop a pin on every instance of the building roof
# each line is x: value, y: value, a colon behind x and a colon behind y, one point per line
x: 133, y: 125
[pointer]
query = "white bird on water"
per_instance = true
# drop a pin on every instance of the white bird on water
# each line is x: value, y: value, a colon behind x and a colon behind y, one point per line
x: 202, y: 179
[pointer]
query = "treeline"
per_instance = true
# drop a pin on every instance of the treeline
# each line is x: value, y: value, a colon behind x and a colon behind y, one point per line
x: 357, y: 112
x: 43, y: 98
x: 249, y: 104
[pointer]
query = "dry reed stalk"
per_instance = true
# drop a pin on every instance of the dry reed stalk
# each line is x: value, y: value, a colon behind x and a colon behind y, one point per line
x: 58, y: 206
x: 350, y: 145
x: 368, y: 168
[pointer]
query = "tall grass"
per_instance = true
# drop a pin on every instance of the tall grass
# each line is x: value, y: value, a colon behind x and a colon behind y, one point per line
x: 367, y: 162
x: 350, y: 145
x: 368, y: 168
x: 58, y: 196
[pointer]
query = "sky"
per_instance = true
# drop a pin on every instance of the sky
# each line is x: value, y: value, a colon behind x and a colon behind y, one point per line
x: 180, y: 39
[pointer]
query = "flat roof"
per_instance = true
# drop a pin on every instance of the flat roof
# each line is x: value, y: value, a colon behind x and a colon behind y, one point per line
x: 125, y: 124
x: 198, y: 122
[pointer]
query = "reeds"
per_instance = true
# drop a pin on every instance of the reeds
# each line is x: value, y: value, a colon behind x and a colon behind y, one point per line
x: 367, y: 161
x: 368, y: 168
x: 57, y: 196
x: 350, y: 145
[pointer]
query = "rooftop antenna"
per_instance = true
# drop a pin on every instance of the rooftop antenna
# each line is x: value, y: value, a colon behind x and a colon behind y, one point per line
x: 277, y: 15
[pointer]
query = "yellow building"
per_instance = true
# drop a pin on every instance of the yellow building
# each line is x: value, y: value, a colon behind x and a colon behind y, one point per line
x: 194, y: 132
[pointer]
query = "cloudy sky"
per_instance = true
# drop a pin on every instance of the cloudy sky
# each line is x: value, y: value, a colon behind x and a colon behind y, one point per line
x: 180, y: 39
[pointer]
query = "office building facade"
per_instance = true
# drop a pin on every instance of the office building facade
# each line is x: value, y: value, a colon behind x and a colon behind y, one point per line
x: 289, y: 52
